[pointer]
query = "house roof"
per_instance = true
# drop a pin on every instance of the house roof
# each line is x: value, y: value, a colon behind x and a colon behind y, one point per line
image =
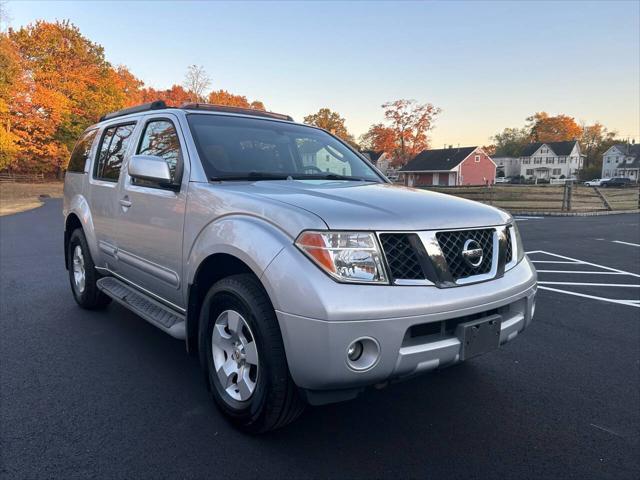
x: 559, y: 148
x: 438, y: 160
x: 372, y: 155
x: 631, y: 150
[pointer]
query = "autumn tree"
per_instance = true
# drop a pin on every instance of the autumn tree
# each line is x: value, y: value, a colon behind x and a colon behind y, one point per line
x: 130, y: 86
x: 11, y: 84
x: 173, y: 97
x: 511, y: 141
x: 68, y: 84
x: 223, y: 97
x: 332, y: 122
x: 559, y: 128
x: 379, y: 138
x: 196, y: 82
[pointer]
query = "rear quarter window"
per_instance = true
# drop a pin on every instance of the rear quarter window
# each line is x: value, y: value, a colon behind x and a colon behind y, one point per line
x: 81, y: 152
x: 113, y: 147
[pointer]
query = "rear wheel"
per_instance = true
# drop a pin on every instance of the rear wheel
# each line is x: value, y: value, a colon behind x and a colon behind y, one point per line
x: 82, y: 273
x: 242, y: 350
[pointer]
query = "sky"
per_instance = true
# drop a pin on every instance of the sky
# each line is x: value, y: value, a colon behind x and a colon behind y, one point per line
x: 487, y: 65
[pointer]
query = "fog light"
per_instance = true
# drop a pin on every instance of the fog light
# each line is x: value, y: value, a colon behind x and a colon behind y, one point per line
x: 355, y: 351
x: 363, y: 354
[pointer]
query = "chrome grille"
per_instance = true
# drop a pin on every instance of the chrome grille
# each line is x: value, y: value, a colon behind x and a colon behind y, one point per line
x: 402, y: 258
x: 452, y: 244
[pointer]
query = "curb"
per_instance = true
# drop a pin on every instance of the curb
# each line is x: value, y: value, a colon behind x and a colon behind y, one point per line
x: 574, y: 214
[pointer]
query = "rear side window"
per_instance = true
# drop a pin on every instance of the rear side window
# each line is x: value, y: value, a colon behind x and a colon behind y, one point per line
x: 160, y: 139
x: 81, y: 152
x: 115, y: 141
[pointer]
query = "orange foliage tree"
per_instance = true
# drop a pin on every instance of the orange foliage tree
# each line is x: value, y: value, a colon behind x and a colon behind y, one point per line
x: 379, y: 138
x: 174, y: 96
x: 406, y: 132
x: 545, y: 128
x: 332, y: 122
x: 66, y: 84
x: 222, y: 97
x: 54, y: 83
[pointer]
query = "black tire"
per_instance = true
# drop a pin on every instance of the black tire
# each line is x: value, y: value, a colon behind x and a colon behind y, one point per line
x: 275, y: 402
x: 90, y: 297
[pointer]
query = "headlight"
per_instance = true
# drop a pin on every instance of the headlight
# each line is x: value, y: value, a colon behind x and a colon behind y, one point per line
x: 346, y: 256
x: 516, y: 242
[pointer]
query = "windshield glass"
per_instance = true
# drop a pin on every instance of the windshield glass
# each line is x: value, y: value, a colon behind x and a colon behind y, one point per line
x: 237, y: 148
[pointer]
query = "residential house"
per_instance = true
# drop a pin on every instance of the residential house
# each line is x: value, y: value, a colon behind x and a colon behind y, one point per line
x: 551, y: 160
x: 621, y: 160
x: 383, y: 162
x: 450, y: 166
x: 507, y: 166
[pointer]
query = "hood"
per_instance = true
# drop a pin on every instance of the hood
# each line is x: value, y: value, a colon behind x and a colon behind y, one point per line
x: 348, y: 205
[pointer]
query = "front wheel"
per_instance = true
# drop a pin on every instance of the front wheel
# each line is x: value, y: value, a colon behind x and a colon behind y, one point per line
x: 242, y: 350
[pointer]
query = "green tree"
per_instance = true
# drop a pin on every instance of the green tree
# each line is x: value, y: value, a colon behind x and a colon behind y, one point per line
x: 510, y: 141
x: 595, y: 140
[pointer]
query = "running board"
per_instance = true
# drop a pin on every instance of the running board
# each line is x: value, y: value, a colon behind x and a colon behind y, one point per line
x: 151, y: 310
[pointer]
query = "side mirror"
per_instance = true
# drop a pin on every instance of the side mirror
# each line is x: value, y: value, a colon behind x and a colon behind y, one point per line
x: 150, y: 167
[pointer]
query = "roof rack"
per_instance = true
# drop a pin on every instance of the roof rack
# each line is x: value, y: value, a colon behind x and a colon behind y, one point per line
x: 157, y: 105
x: 227, y: 109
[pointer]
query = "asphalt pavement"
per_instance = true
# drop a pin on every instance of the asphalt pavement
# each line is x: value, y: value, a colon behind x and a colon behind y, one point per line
x: 107, y: 395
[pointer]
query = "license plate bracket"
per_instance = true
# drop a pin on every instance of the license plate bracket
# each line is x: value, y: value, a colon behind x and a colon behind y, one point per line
x: 479, y: 336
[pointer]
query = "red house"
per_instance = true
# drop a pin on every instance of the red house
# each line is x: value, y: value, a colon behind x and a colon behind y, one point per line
x: 450, y: 166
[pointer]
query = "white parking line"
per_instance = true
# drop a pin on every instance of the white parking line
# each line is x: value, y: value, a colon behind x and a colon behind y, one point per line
x: 529, y: 218
x: 625, y: 243
x: 583, y: 262
x: 630, y: 303
x: 591, y: 284
x: 604, y: 270
x: 581, y: 271
x: 554, y: 261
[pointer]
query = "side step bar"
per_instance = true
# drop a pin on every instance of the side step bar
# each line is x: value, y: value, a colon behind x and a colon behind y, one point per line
x: 151, y: 310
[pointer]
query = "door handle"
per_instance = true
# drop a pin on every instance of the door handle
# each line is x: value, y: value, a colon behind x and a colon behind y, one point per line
x: 125, y: 202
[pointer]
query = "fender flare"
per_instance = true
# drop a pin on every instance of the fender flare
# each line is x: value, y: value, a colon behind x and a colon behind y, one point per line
x: 252, y: 240
x: 79, y: 207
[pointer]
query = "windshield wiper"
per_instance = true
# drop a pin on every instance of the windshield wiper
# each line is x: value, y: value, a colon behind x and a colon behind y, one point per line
x: 331, y: 176
x: 253, y: 175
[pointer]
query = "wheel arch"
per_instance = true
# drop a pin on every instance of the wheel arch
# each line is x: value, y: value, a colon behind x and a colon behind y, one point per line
x: 230, y: 245
x: 213, y: 268
x: 78, y: 215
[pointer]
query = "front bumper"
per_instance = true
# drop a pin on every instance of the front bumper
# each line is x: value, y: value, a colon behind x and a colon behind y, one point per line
x: 319, y: 318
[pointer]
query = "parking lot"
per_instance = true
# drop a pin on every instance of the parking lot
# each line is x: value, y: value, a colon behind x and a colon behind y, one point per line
x: 106, y: 395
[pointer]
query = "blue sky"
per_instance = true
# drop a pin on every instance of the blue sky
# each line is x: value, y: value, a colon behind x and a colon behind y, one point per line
x: 488, y: 65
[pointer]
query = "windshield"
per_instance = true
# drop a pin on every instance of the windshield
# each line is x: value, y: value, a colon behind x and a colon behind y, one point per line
x: 236, y: 148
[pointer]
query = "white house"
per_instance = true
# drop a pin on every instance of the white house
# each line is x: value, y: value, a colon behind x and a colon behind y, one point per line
x: 508, y: 166
x: 621, y: 160
x: 551, y: 160
x: 383, y: 162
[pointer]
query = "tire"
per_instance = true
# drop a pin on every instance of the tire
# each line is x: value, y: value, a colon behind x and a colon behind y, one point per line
x: 86, y: 293
x: 274, y: 401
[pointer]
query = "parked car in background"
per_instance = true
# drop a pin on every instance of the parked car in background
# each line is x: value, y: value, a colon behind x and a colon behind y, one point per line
x: 296, y: 270
x: 619, y: 182
x: 596, y: 182
x: 502, y: 179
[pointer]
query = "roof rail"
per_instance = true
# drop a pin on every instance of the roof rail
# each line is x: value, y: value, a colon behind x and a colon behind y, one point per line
x: 157, y: 105
x: 228, y: 109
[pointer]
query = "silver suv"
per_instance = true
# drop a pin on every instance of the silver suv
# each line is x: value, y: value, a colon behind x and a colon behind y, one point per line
x: 283, y: 258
